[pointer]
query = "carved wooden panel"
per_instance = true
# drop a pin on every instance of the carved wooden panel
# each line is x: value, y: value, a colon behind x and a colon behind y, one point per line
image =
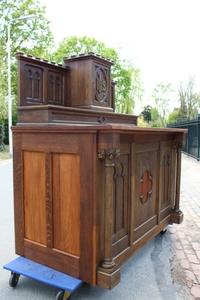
x: 102, y: 84
x: 34, y: 197
x: 166, y: 175
x: 66, y: 202
x: 55, y: 88
x: 145, y: 172
x: 33, y: 85
x: 121, y: 200
x: 41, y: 82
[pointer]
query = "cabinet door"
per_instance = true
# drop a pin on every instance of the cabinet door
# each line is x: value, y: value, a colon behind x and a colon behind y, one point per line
x: 54, y: 208
x: 145, y: 163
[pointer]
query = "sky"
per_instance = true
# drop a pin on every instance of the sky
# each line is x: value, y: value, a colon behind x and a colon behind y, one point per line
x: 161, y: 37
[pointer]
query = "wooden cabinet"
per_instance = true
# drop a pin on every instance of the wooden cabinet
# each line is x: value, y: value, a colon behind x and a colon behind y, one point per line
x: 90, y: 187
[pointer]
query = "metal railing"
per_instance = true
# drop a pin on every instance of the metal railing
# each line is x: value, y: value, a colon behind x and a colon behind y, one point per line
x: 191, y: 145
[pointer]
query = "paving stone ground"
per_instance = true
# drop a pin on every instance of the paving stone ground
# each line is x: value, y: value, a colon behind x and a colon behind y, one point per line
x: 186, y: 237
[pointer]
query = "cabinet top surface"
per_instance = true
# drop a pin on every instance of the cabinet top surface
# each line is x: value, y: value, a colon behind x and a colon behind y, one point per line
x: 121, y: 128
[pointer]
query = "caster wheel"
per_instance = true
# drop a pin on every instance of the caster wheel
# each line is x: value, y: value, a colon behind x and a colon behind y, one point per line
x: 164, y: 231
x: 63, y: 295
x: 14, y: 278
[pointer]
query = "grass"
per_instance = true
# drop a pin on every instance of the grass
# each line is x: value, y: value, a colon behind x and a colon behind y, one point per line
x: 5, y: 153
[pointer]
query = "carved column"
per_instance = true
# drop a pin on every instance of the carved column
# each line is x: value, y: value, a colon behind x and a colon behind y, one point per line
x: 109, y: 157
x: 177, y: 215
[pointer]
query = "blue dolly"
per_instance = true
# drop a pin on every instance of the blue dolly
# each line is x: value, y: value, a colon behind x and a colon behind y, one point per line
x: 33, y: 270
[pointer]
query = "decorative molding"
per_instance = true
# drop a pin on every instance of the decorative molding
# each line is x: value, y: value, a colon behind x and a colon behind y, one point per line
x: 48, y: 200
x: 33, y: 84
x: 109, y: 154
x: 119, y: 170
x: 166, y: 159
x: 54, y: 87
x: 177, y: 145
x: 101, y: 80
x: 166, y: 162
x: 146, y: 183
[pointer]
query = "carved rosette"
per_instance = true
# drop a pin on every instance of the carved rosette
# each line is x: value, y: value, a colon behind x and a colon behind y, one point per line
x: 101, y: 80
x: 146, y: 183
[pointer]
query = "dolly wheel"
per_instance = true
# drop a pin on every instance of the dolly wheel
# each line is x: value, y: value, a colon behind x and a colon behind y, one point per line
x: 63, y: 295
x: 164, y: 230
x: 14, y: 278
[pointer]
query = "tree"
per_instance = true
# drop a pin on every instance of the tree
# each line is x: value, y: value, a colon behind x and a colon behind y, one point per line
x: 189, y: 100
x: 155, y: 118
x: 32, y: 36
x: 150, y: 116
x: 147, y: 113
x: 161, y: 95
x: 174, y: 116
x: 128, y: 87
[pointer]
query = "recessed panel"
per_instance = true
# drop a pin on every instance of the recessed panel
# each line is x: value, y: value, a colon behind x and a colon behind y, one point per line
x: 145, y: 190
x: 34, y: 197
x: 66, y: 203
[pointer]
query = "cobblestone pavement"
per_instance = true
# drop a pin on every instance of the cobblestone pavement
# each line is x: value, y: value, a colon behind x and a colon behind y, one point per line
x: 186, y: 237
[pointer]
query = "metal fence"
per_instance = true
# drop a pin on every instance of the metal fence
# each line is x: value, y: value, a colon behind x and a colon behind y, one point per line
x: 191, y: 145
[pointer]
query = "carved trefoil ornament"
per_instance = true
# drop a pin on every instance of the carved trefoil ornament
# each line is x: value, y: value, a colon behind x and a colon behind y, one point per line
x: 146, y: 183
x: 33, y: 85
x: 101, y: 78
x: 54, y: 88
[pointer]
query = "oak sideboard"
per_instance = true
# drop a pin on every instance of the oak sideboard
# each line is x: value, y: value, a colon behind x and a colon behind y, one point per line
x: 90, y: 186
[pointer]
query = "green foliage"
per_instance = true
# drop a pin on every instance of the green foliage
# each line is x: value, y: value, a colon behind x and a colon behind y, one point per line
x: 174, y: 116
x: 128, y: 88
x: 154, y: 114
x: 31, y: 35
x: 3, y: 104
x: 141, y: 122
x: 161, y: 96
x: 155, y: 118
x: 189, y: 100
x: 147, y: 113
x: 151, y: 117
